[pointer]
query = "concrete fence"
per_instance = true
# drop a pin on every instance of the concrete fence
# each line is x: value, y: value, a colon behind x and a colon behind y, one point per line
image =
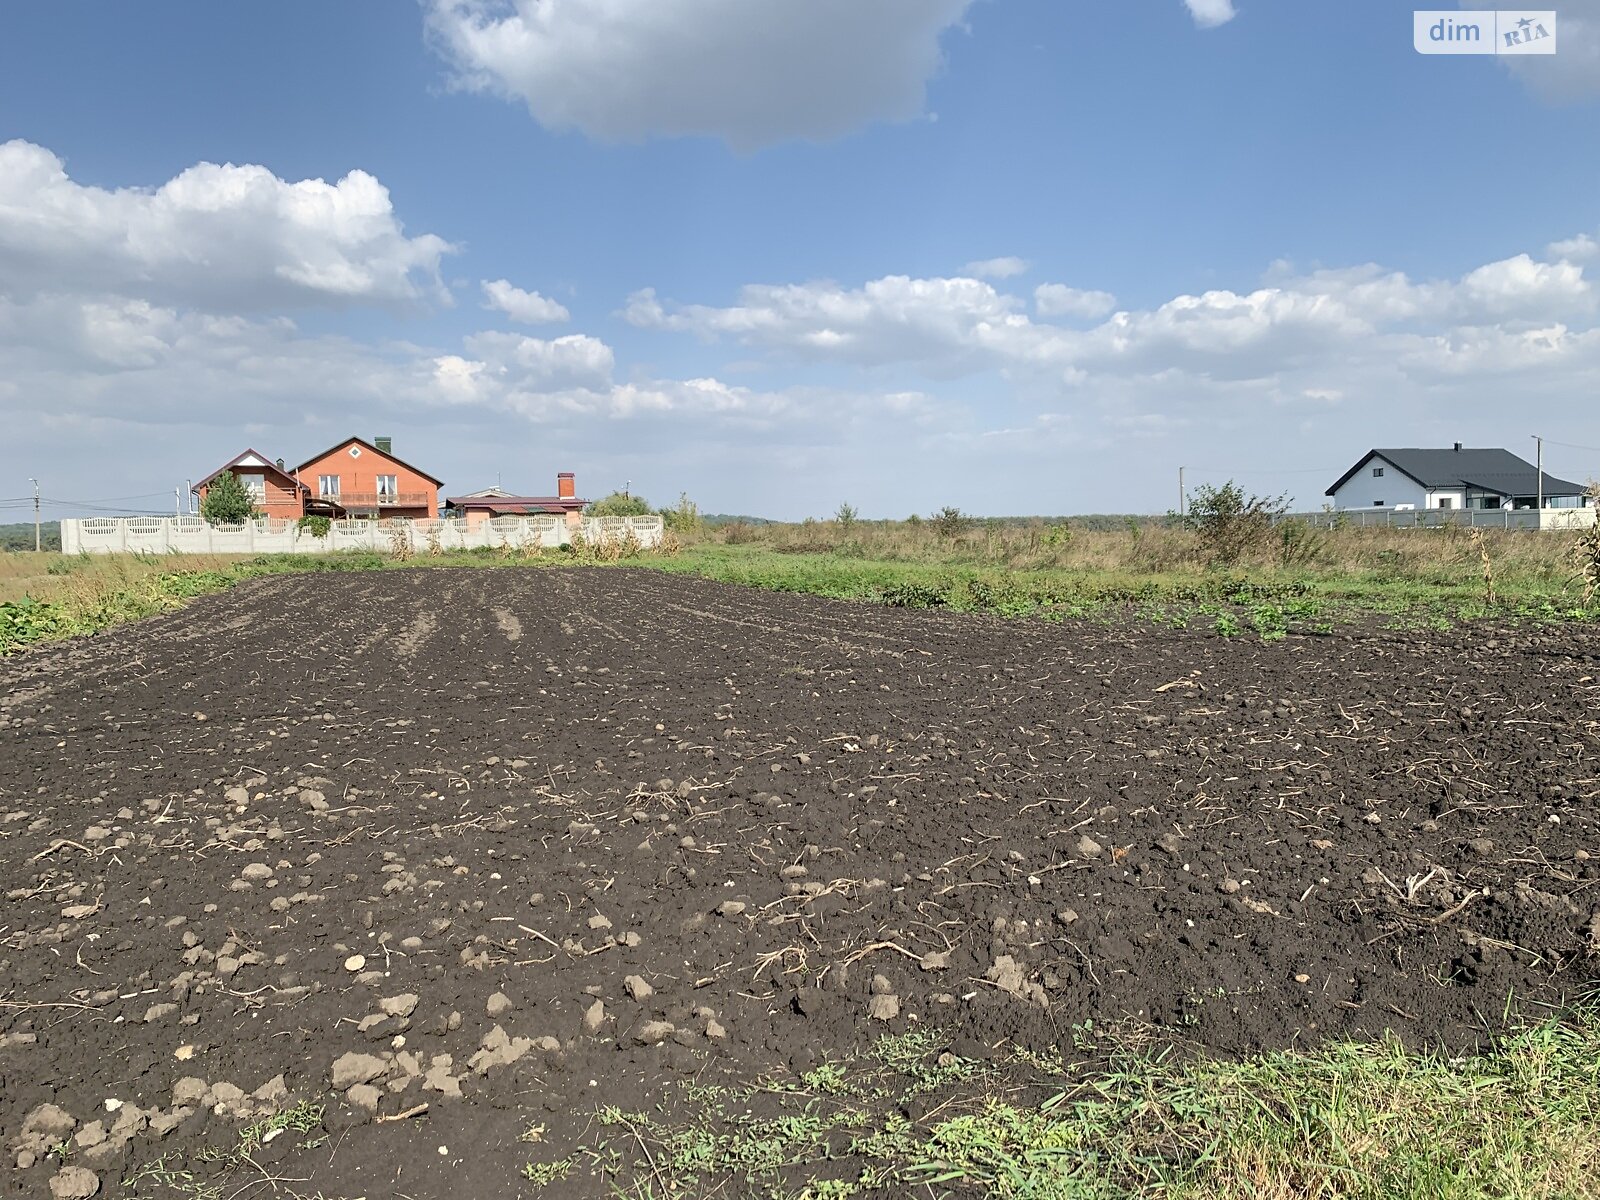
x: 270, y: 535
x: 1544, y: 519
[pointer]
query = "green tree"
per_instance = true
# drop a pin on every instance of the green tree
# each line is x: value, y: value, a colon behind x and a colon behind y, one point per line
x: 620, y: 504
x: 227, y: 502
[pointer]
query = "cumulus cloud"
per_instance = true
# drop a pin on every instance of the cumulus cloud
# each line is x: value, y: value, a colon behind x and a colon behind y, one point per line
x: 530, y: 308
x: 1347, y: 337
x: 1574, y: 249
x: 997, y: 268
x: 1208, y: 14
x: 226, y: 237
x: 891, y: 319
x: 1059, y: 300
x: 750, y: 73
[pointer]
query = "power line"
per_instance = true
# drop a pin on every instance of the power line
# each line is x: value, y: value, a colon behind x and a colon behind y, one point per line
x: 1263, y: 471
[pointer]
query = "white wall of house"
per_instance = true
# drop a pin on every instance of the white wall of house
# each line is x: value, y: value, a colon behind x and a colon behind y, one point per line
x: 1389, y: 490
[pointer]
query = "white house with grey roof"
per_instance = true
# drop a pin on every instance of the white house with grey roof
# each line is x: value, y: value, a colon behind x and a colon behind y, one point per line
x: 1454, y: 478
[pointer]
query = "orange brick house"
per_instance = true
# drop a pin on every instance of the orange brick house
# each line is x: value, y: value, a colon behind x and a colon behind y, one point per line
x: 276, y: 491
x: 365, y: 479
x: 355, y: 478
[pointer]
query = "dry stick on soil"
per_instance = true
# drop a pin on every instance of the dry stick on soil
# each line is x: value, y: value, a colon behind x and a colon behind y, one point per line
x: 415, y: 1111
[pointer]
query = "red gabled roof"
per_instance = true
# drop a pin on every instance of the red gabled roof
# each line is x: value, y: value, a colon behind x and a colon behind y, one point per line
x: 269, y: 466
x: 517, y: 504
x: 384, y: 453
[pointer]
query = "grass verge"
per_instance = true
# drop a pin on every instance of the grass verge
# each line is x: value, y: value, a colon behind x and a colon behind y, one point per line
x: 1346, y: 1122
x: 68, y: 595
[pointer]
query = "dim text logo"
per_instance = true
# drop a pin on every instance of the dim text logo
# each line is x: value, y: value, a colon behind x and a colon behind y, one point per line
x: 1484, y: 31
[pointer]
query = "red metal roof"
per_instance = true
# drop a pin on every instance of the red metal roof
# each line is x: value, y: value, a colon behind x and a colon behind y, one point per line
x: 517, y: 504
x: 269, y: 465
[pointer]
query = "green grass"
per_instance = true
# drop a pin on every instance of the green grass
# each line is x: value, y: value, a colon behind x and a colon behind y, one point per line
x: 63, y: 596
x: 1346, y: 1122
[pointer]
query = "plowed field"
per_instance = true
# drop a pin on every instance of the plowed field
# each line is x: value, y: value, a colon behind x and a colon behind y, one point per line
x: 520, y: 844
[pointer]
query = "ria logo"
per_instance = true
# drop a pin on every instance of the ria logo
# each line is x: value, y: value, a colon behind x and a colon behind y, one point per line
x: 1484, y: 31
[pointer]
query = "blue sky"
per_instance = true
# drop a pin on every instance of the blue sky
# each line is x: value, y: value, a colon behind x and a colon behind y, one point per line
x: 1013, y: 255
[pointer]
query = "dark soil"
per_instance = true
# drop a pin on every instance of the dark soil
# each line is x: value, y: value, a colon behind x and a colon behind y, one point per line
x: 528, y: 792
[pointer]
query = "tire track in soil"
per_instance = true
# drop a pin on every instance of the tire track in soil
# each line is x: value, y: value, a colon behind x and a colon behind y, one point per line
x: 1235, y: 844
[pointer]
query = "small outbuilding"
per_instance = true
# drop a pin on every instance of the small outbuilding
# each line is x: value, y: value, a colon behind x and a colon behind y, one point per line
x: 478, y: 507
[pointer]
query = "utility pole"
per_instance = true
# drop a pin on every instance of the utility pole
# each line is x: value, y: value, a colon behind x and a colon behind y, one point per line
x: 177, y: 501
x: 1539, y: 459
x: 37, y: 543
x: 188, y: 490
x: 1180, y: 492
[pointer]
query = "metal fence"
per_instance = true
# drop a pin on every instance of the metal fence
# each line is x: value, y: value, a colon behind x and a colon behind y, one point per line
x: 1545, y: 519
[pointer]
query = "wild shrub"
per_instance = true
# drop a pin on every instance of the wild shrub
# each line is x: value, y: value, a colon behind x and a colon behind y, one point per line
x: 909, y: 594
x: 1586, y: 552
x: 685, y: 518
x: 317, y: 527
x: 1300, y: 544
x: 950, y: 522
x: 1230, y: 522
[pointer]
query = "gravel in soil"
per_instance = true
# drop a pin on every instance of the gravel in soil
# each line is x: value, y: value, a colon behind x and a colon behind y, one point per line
x: 287, y: 866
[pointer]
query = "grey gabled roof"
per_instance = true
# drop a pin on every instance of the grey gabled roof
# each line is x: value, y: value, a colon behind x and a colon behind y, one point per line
x: 1491, y: 470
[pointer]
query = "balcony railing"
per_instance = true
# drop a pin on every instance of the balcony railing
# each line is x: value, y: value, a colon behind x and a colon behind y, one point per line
x: 378, y: 499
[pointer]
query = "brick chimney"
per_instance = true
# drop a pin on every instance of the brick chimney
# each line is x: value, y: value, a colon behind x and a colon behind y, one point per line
x: 566, y: 486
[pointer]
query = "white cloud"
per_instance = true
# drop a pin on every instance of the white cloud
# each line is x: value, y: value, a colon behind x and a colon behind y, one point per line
x: 1574, y: 249
x: 1570, y: 75
x: 1359, y: 339
x: 1521, y: 287
x: 997, y: 268
x: 1059, y: 300
x: 1208, y: 14
x: 574, y: 361
x: 751, y: 73
x: 227, y: 237
x: 530, y: 308
x: 896, y: 318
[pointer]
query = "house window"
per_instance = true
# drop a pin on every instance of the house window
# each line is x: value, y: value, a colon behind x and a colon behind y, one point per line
x: 1377, y: 472
x: 256, y: 485
x: 328, y: 485
x: 1446, y: 502
x: 388, y: 489
x: 1377, y: 504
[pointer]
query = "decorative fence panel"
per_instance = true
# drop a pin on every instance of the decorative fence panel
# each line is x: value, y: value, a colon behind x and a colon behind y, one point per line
x: 191, y: 535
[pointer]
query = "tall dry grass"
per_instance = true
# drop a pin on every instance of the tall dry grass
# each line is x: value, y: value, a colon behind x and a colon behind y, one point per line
x: 90, y: 578
x: 1154, y: 549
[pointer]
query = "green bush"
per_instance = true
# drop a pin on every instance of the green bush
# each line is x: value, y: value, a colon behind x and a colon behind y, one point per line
x: 227, y: 502
x: 620, y: 504
x: 912, y: 595
x: 317, y: 527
